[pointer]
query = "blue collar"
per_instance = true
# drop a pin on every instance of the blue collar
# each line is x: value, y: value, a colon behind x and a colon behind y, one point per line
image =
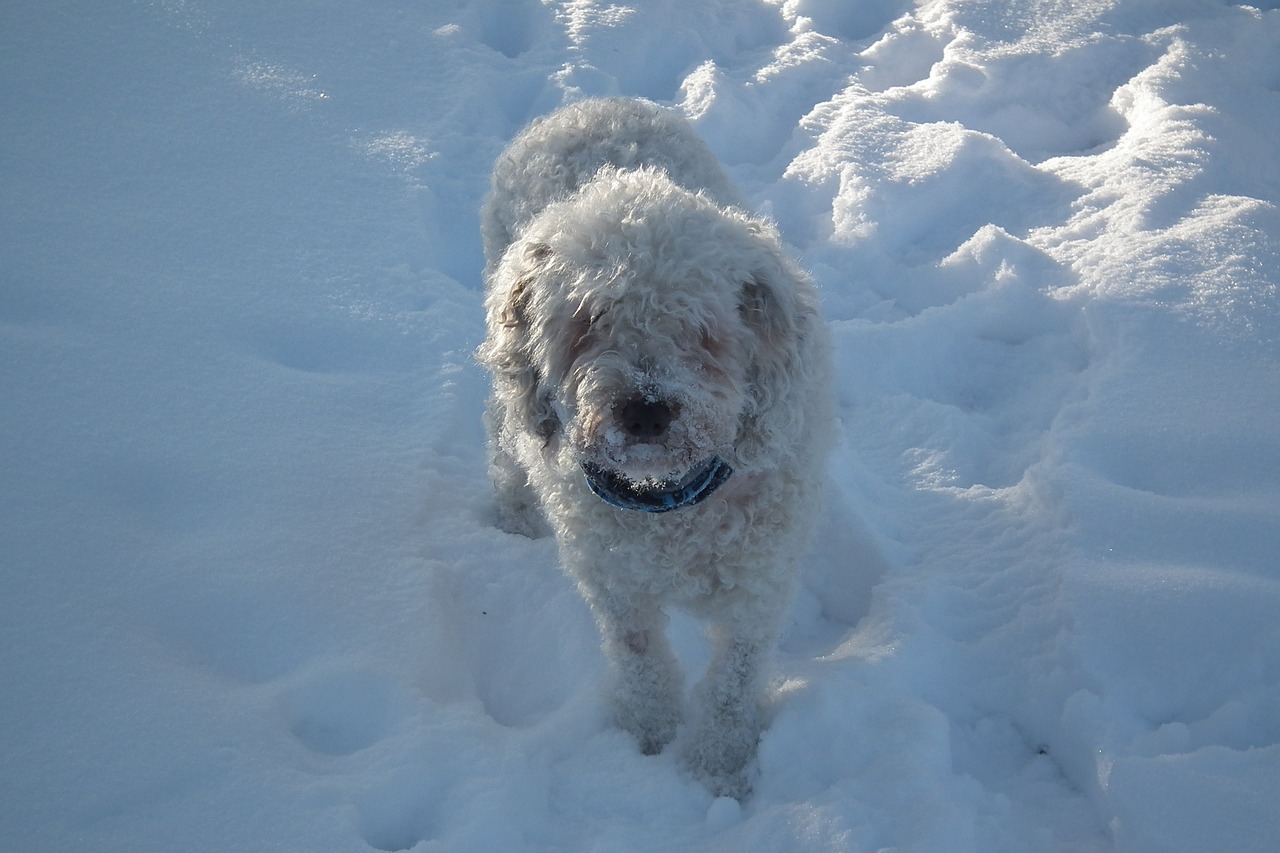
x: 617, y: 490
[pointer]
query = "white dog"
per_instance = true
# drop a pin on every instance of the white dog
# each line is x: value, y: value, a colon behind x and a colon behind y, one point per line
x: 661, y: 397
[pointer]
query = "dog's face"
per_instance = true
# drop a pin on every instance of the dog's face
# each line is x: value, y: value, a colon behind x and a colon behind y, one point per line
x: 638, y: 326
x: 652, y: 381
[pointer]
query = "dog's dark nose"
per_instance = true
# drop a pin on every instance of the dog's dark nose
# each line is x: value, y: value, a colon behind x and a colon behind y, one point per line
x: 644, y: 419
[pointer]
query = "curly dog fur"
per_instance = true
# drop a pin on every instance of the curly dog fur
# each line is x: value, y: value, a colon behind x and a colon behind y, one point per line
x: 640, y: 323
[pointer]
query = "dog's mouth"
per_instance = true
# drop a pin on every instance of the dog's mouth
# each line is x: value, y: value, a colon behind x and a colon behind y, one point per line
x: 658, y: 496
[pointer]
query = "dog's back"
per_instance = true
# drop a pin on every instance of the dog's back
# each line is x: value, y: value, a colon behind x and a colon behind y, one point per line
x: 555, y: 155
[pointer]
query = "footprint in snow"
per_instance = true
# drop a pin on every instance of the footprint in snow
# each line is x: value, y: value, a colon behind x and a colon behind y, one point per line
x: 343, y: 712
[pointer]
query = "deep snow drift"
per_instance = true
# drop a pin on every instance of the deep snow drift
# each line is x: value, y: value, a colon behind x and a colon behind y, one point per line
x: 253, y: 598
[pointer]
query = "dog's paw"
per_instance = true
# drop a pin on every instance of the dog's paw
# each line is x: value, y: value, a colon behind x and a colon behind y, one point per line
x: 522, y: 519
x: 650, y: 710
x: 653, y: 728
x: 720, y: 753
x: 718, y: 779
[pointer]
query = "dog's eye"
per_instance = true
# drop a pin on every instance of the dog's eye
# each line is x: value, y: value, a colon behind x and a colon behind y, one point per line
x: 581, y: 328
x: 712, y: 343
x: 587, y: 319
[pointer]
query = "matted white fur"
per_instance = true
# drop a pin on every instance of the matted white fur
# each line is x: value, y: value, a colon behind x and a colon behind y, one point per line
x: 641, y: 321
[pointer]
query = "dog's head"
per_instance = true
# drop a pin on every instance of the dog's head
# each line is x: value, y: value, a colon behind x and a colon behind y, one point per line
x: 649, y: 332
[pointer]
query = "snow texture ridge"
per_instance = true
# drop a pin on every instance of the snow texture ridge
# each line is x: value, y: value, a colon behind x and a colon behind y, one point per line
x: 253, y: 594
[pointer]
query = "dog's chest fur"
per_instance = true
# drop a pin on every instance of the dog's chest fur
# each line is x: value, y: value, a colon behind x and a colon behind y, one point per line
x: 690, y: 556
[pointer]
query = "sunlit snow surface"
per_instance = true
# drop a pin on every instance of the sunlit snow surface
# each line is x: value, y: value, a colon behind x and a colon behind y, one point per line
x: 253, y: 597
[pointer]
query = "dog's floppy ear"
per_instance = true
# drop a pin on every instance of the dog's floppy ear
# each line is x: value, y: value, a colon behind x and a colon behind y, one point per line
x: 769, y: 312
x: 506, y: 352
x: 509, y: 305
x: 779, y: 319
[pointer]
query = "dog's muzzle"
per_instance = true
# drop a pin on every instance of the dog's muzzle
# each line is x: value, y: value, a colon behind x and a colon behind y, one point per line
x: 664, y: 496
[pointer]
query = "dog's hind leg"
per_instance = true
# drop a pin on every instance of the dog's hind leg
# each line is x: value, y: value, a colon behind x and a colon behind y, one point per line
x: 519, y: 510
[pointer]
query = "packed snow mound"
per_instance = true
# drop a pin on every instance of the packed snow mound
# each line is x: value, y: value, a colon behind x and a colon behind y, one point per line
x: 254, y: 597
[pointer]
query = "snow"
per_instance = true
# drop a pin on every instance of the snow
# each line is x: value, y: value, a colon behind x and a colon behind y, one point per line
x: 253, y: 595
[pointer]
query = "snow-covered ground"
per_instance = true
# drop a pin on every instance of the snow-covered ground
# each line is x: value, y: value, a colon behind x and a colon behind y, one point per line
x: 252, y: 594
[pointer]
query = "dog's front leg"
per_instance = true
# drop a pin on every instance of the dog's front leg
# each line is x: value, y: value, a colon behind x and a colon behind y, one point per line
x: 647, y: 681
x: 726, y: 702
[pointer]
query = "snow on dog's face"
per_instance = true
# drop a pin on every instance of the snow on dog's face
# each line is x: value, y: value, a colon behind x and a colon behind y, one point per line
x: 636, y: 320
